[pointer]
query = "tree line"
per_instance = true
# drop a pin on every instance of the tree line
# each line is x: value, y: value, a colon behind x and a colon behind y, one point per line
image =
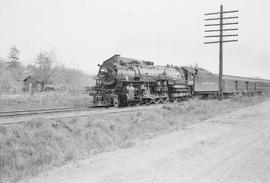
x: 46, y: 68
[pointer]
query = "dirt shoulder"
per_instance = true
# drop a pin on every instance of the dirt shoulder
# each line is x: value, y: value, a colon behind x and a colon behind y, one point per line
x: 229, y: 148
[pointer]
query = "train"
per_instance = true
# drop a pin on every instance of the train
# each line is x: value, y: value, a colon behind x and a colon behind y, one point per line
x: 125, y: 81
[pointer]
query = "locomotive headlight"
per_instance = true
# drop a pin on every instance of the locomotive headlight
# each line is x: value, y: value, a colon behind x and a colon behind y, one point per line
x: 103, y: 71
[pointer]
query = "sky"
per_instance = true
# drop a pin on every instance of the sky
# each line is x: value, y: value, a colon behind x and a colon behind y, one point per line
x: 84, y: 33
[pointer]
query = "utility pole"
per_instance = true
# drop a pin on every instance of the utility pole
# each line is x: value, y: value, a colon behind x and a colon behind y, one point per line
x: 221, y: 37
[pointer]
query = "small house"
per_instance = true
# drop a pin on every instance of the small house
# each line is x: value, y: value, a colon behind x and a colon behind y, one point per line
x: 31, y: 82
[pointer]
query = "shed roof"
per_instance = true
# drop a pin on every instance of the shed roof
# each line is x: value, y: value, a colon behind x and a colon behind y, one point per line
x: 30, y: 76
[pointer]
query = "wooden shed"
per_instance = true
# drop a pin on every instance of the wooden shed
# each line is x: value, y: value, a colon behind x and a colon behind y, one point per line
x: 31, y: 82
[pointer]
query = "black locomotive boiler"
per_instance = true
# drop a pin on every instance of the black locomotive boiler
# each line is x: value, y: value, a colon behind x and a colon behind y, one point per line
x: 123, y: 81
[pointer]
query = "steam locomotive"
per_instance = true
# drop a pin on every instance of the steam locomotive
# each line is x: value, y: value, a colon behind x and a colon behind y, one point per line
x: 124, y: 81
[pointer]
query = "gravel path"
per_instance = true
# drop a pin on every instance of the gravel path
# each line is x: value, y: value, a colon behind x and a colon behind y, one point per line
x: 230, y: 148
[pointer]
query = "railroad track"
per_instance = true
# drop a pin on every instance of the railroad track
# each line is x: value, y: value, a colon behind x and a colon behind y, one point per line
x: 6, y: 114
x: 15, y: 117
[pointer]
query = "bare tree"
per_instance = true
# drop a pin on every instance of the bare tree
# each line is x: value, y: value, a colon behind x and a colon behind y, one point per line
x: 14, y: 65
x: 45, y: 67
x: 13, y: 56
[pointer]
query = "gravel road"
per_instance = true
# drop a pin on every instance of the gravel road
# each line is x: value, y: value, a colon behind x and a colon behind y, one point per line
x: 231, y: 148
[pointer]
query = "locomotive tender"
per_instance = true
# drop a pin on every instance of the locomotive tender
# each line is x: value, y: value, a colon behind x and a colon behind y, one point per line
x: 124, y: 81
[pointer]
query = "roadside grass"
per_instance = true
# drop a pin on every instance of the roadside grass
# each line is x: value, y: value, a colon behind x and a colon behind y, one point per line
x: 38, y: 145
x: 44, y: 100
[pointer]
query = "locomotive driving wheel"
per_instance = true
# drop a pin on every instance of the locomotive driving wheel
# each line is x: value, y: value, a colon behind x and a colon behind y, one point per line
x: 148, y: 101
x: 165, y: 100
x: 157, y: 100
x: 116, y: 102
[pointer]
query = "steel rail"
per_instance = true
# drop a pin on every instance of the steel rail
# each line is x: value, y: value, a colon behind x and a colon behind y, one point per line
x: 30, y: 110
x: 38, y: 111
x: 95, y: 113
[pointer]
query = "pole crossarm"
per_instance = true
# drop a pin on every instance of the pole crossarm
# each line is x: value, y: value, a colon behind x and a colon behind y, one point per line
x: 232, y: 23
x: 228, y: 35
x: 208, y: 19
x: 230, y: 29
x: 232, y: 11
x: 214, y: 13
x: 221, y: 30
x: 230, y: 17
x: 211, y: 42
x: 217, y: 13
x: 228, y: 41
x: 225, y: 41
